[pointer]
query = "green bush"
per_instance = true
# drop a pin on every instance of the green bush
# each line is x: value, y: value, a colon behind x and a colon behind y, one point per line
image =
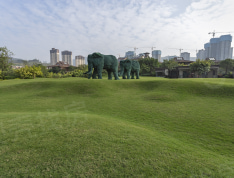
x: 49, y: 75
x: 77, y: 73
x: 9, y: 74
x: 57, y: 75
x: 68, y: 74
x: 29, y: 72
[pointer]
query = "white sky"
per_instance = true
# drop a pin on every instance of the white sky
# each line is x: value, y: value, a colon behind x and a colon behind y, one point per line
x: 30, y: 28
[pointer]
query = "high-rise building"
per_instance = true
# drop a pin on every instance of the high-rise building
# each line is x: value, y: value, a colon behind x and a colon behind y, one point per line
x: 130, y: 54
x: 185, y: 55
x: 225, y: 47
x: 54, y: 56
x: 201, y: 54
x: 207, y: 50
x: 219, y: 48
x: 79, y: 60
x: 214, y: 48
x: 156, y: 54
x: 67, y: 57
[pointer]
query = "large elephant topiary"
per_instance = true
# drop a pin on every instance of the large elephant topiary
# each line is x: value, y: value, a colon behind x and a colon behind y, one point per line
x: 98, y: 61
x: 129, y: 67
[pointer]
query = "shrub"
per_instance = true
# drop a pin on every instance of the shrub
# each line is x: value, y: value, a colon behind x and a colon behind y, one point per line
x: 77, y: 73
x: 29, y: 72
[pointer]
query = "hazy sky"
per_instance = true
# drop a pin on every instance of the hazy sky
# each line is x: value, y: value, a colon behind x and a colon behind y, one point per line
x: 30, y: 28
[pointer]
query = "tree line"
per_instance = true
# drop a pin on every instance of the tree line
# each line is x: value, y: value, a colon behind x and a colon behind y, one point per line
x: 201, y: 67
x: 148, y: 68
x: 37, y: 70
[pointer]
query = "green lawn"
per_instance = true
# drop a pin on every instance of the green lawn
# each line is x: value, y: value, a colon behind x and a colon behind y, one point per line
x: 152, y: 127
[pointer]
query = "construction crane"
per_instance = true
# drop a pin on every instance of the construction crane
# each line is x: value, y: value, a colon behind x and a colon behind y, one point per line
x: 135, y: 48
x: 213, y: 33
x: 152, y: 48
x: 180, y: 49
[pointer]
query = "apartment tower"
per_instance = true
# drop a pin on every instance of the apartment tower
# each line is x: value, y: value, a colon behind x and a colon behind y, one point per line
x: 130, y: 54
x: 79, y: 60
x: 219, y: 48
x: 156, y: 54
x: 67, y: 57
x: 201, y: 54
x: 54, y: 56
x: 185, y: 55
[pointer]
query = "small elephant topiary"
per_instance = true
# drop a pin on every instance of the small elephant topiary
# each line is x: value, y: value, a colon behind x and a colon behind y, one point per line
x: 129, y: 67
x: 98, y: 61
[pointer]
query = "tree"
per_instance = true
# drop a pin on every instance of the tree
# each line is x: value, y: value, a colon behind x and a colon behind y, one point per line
x: 227, y: 65
x: 200, y: 66
x: 55, y: 69
x: 71, y: 68
x: 148, y: 66
x: 170, y: 65
x: 5, y: 65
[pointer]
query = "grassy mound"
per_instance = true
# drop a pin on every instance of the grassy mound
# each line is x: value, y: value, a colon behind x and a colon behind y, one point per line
x: 100, y: 128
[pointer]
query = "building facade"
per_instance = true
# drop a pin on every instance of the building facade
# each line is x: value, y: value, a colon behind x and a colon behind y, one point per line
x: 207, y: 50
x: 225, y: 47
x: 156, y: 54
x: 54, y: 56
x: 201, y: 54
x: 130, y: 54
x: 79, y: 60
x: 185, y: 55
x: 67, y: 57
x: 219, y: 48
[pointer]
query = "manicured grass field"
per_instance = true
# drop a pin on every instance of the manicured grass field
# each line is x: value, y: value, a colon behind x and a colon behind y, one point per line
x: 152, y: 127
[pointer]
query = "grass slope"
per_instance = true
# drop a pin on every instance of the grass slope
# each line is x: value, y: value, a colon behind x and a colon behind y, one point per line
x: 100, y: 128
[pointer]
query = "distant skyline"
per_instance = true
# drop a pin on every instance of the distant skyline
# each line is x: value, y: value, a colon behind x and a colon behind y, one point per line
x: 30, y: 29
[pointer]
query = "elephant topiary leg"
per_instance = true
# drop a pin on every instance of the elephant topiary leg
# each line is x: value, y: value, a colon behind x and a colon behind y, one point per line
x: 128, y: 74
x: 137, y: 75
x: 132, y: 75
x: 124, y: 74
x: 99, y: 71
x: 116, y: 75
x: 94, y: 76
x: 109, y: 75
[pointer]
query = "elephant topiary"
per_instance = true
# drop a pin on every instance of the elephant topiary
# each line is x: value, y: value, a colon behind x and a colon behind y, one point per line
x: 98, y: 62
x: 128, y: 67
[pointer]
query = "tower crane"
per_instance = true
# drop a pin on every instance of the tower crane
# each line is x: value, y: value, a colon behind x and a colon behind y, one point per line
x: 152, y: 48
x: 213, y: 33
x: 180, y: 49
x: 135, y: 48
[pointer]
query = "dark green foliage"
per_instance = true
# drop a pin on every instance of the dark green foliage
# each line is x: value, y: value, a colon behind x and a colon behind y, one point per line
x: 227, y: 65
x: 200, y: 66
x: 170, y: 64
x: 148, y: 66
x: 129, y: 67
x: 5, y: 64
x: 97, y: 62
x: 72, y: 68
x: 55, y: 70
